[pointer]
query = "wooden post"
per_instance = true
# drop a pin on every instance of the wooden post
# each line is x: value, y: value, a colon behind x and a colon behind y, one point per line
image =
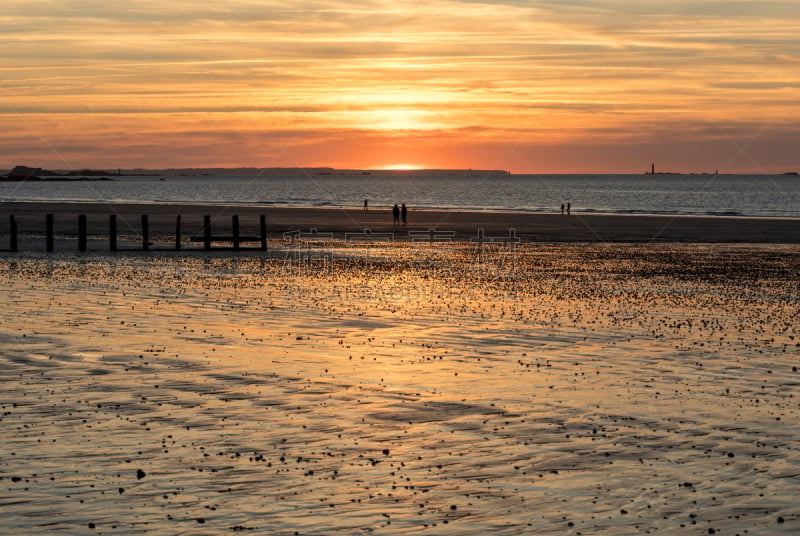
x: 207, y: 232
x: 112, y: 232
x: 49, y: 232
x: 145, y: 232
x: 82, y: 232
x: 12, y: 222
x: 235, y: 225
x: 178, y: 232
x: 263, y: 222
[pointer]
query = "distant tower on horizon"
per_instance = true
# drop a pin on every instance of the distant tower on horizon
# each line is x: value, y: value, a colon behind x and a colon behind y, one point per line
x: 653, y: 168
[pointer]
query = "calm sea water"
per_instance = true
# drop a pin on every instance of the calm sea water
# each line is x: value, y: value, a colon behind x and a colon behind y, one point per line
x: 724, y: 195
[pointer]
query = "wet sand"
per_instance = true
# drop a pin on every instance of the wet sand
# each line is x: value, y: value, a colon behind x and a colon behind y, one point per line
x: 607, y: 389
x: 529, y: 227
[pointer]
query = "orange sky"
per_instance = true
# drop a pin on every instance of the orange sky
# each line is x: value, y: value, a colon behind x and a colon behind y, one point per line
x: 570, y: 86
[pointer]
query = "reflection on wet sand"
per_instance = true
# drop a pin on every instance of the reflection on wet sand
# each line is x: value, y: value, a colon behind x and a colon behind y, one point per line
x: 594, y: 389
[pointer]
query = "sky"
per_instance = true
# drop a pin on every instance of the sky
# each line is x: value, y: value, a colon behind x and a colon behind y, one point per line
x: 606, y: 86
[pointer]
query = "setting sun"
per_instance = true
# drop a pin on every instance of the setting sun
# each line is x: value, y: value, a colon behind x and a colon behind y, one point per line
x: 439, y: 267
x: 546, y: 87
x: 400, y: 167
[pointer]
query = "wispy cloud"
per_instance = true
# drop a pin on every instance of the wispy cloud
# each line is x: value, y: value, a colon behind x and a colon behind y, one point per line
x: 525, y: 73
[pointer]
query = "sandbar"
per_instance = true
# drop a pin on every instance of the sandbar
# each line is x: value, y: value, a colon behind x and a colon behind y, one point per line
x: 529, y: 227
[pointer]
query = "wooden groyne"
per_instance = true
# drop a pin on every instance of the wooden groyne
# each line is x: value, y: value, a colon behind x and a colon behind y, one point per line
x: 209, y: 239
x: 176, y: 227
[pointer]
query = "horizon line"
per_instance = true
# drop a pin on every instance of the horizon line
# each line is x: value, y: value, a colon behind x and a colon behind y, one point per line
x: 6, y: 170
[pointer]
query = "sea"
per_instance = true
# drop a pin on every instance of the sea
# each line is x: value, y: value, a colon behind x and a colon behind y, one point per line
x: 776, y: 196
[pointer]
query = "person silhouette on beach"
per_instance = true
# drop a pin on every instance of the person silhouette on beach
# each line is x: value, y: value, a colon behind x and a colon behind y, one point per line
x: 568, y: 207
x: 366, y: 202
x: 404, y: 213
x: 396, y: 214
x: 562, y: 209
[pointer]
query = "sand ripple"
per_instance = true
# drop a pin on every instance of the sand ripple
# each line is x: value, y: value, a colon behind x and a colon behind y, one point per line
x: 585, y: 389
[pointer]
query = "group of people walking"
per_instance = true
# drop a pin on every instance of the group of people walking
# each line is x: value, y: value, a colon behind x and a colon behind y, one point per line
x: 399, y: 213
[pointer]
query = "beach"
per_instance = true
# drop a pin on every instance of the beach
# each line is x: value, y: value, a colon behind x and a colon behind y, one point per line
x: 396, y: 388
x: 464, y: 225
x: 455, y: 268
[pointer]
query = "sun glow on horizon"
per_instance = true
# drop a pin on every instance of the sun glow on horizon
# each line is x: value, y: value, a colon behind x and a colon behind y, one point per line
x: 543, y: 86
x: 399, y: 167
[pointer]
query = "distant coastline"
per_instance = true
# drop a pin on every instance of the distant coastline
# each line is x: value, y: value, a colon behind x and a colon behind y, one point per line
x: 31, y: 173
x: 25, y: 173
x: 22, y: 172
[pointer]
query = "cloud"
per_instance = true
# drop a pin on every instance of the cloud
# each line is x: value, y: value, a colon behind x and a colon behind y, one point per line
x: 551, y: 72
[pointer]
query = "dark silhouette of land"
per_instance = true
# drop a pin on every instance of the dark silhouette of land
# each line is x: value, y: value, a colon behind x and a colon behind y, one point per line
x: 25, y: 173
x: 33, y: 173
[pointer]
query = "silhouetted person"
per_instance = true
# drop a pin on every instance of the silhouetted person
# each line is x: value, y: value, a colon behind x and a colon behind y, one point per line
x: 562, y: 209
x: 365, y: 205
x: 396, y: 214
x: 568, y: 207
x: 404, y: 213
